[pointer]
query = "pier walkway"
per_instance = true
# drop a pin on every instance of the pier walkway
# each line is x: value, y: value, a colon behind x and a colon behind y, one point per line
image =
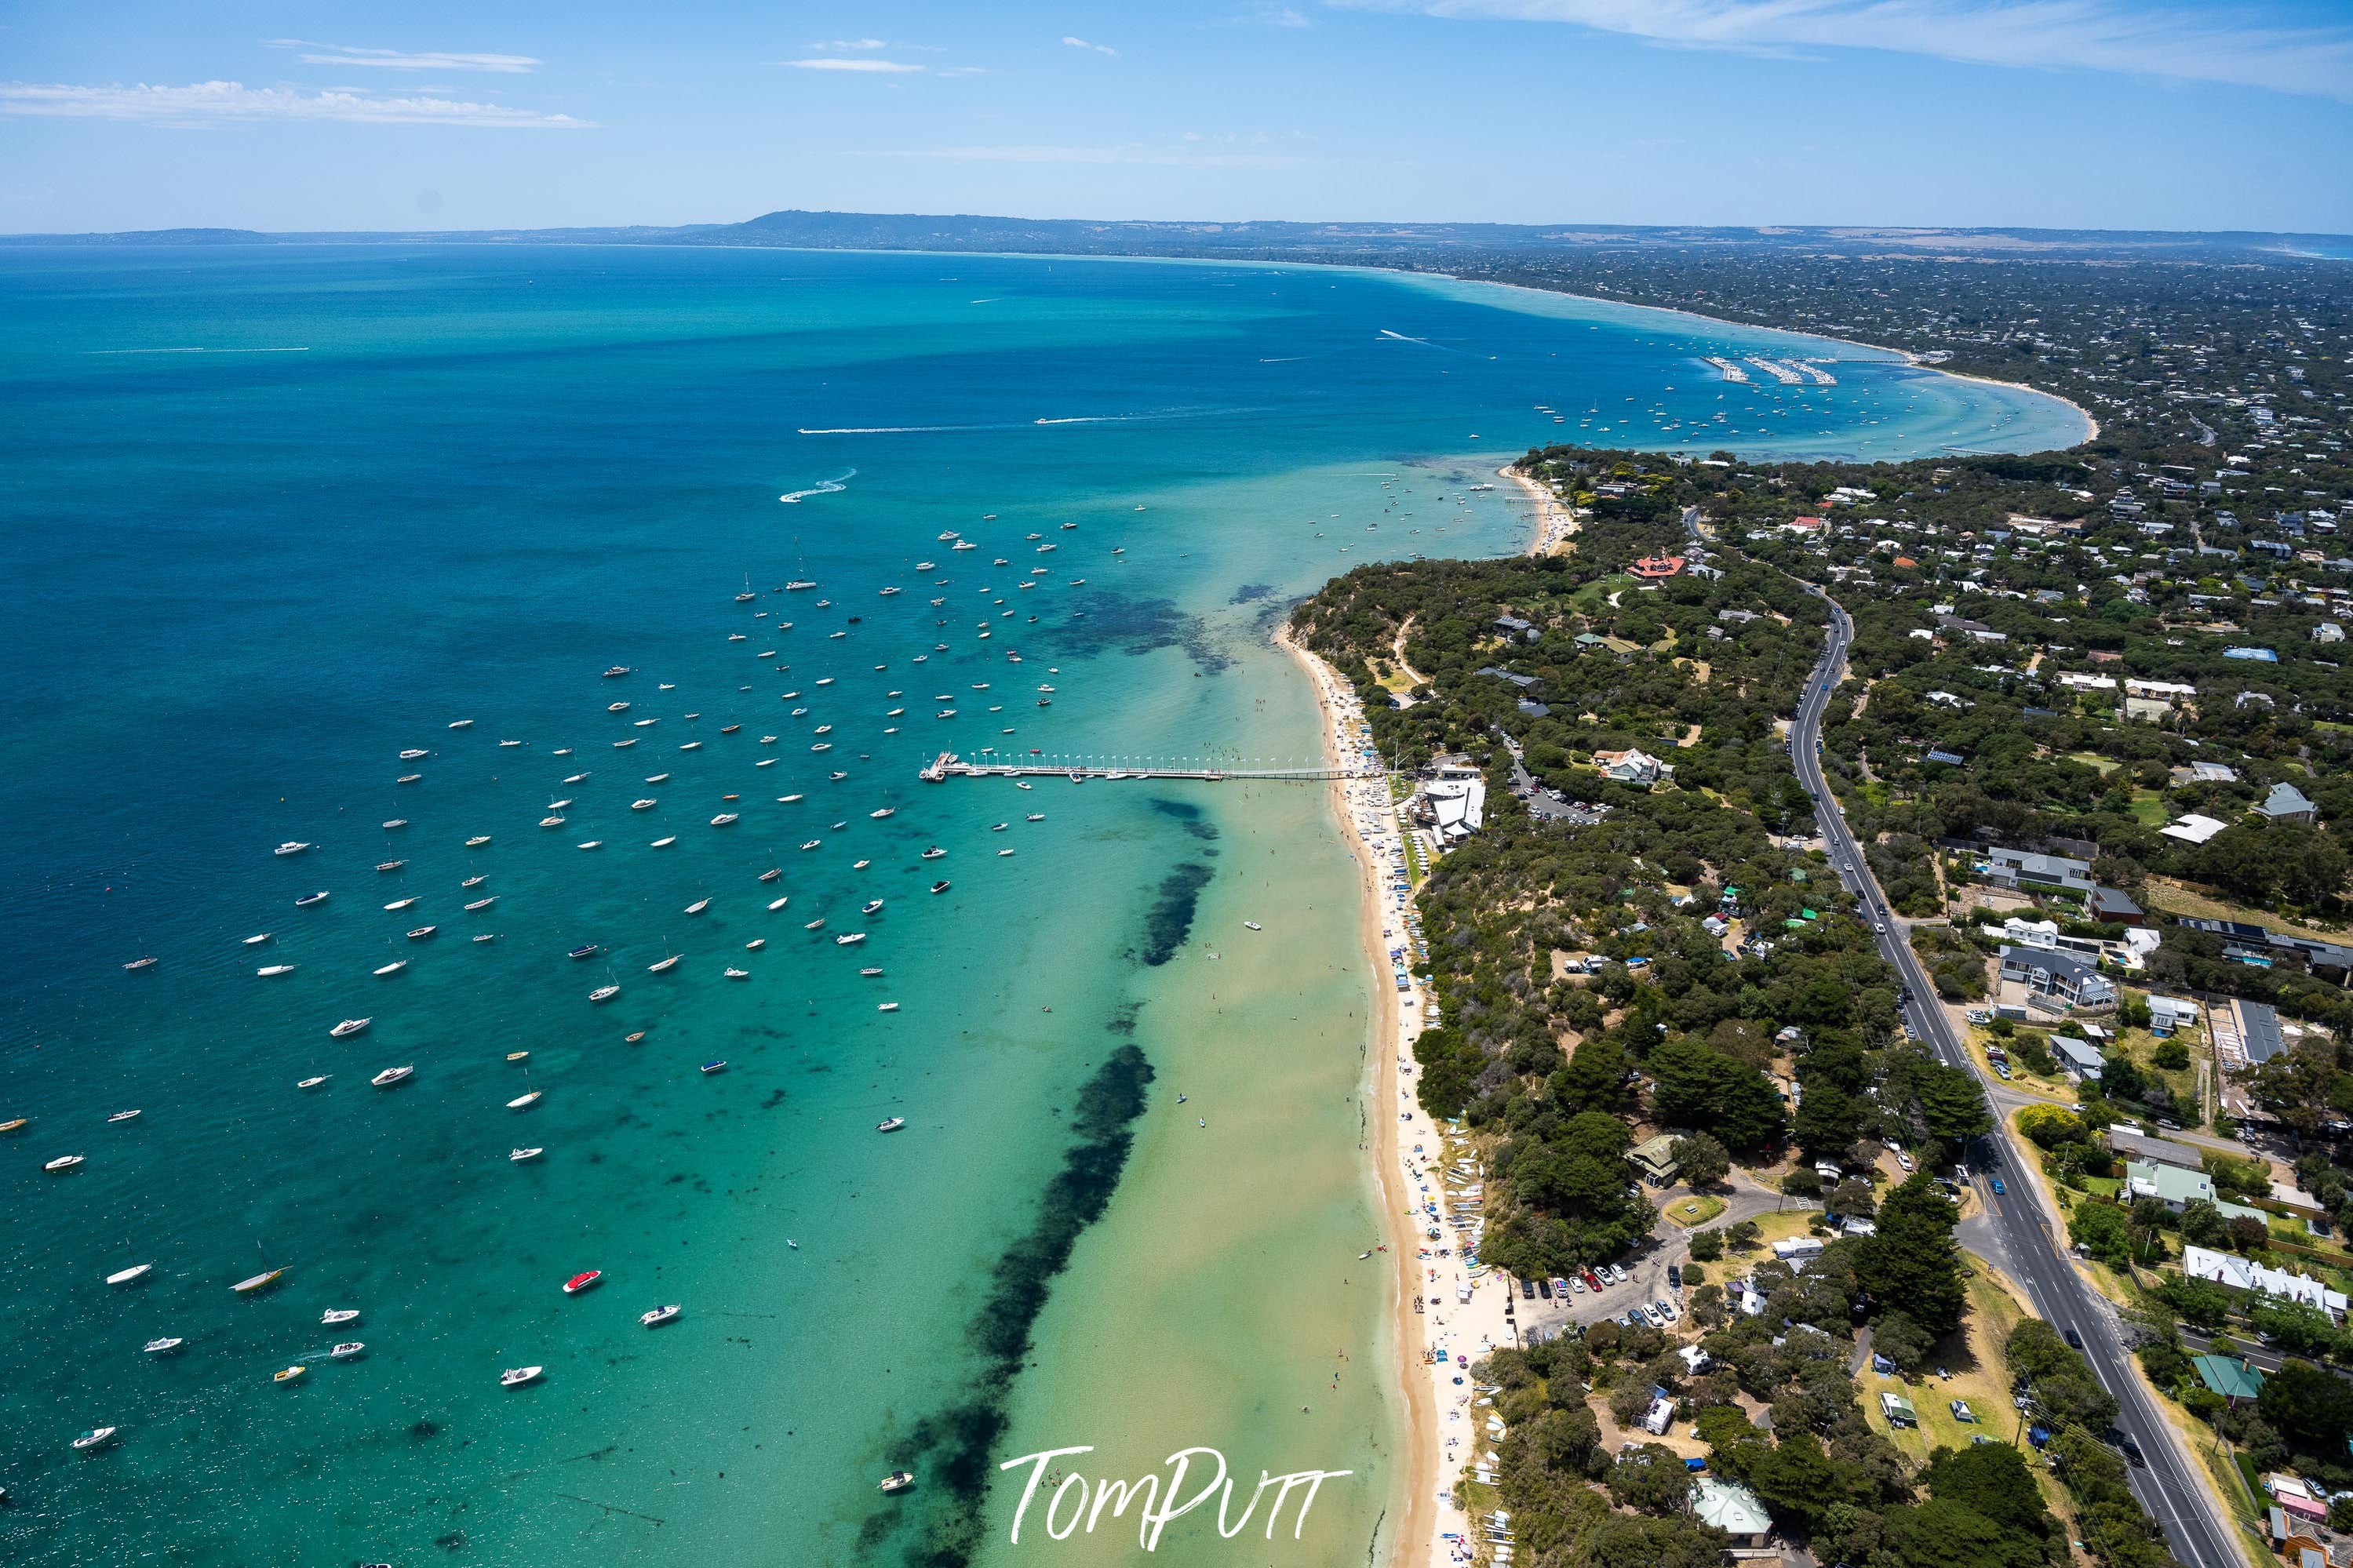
x: 948, y: 766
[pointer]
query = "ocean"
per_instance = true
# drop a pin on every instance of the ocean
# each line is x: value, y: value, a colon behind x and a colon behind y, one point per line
x: 279, y: 517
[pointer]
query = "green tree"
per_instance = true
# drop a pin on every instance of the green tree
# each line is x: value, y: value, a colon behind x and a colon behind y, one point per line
x: 1702, y: 1161
x: 2311, y: 1408
x: 1694, y: 1085
x: 1449, y: 1069
x: 1595, y: 1077
x: 1795, y: 1480
x: 1993, y: 1479
x: 1911, y: 1262
x: 1942, y: 1534
x: 1650, y: 1478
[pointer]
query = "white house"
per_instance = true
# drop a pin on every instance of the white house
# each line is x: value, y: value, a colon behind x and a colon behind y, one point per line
x: 2244, y: 1274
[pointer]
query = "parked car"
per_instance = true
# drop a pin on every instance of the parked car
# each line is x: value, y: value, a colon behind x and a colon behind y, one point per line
x: 1593, y: 1281
x: 1665, y: 1310
x: 1528, y: 1290
x: 1674, y: 1276
x: 1904, y: 1162
x: 1573, y: 1284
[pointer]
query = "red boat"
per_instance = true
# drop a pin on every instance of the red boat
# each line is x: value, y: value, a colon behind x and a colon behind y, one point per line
x: 579, y: 1282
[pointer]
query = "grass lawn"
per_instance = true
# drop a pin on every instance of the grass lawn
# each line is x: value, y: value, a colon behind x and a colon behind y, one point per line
x: 2148, y: 806
x: 2163, y: 893
x: 1980, y: 1375
x: 2093, y: 760
x: 2054, y: 1087
x: 1694, y: 1211
x: 2103, y: 1186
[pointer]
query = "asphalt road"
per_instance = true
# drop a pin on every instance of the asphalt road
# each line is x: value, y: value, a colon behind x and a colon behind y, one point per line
x: 2171, y: 1487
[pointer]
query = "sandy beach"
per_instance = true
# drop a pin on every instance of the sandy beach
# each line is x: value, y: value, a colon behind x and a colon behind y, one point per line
x: 1553, y: 522
x: 1444, y: 1308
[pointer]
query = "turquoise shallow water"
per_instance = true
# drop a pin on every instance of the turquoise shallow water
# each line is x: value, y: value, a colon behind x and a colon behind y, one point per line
x: 276, y: 518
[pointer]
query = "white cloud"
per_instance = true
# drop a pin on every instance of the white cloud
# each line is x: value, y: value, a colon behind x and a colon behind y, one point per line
x: 225, y: 102
x: 1130, y: 152
x: 1099, y: 48
x: 842, y: 65
x: 851, y: 44
x: 2237, y: 45
x: 1272, y: 17
x: 397, y: 59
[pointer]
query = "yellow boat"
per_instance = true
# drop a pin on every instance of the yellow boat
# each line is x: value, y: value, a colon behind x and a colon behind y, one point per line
x: 288, y: 1374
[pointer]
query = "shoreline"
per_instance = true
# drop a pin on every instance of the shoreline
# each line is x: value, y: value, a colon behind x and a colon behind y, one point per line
x: 1906, y: 356
x: 1418, y: 1484
x: 1554, y: 522
x: 1453, y: 1315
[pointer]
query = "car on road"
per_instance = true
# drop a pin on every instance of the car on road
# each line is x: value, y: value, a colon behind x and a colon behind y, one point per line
x: 2074, y: 1340
x: 2132, y: 1451
x: 1997, y: 1188
x: 1880, y: 927
x: 1674, y: 1276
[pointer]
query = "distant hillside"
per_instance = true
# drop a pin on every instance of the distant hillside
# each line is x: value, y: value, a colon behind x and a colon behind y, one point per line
x: 1423, y: 243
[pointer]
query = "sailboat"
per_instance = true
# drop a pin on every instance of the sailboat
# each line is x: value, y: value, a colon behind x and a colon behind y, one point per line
x: 256, y: 1283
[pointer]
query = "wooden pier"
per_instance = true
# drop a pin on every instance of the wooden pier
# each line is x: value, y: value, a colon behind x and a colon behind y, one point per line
x: 948, y: 766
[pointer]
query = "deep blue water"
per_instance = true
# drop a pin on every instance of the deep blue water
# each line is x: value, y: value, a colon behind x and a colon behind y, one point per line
x: 273, y: 518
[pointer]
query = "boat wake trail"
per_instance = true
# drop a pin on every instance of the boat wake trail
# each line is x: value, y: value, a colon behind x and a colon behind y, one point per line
x: 822, y: 487
x: 1028, y: 425
x: 199, y: 351
x: 1425, y: 342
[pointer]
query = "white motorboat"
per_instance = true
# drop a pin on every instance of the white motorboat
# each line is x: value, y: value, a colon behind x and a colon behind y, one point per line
x: 395, y: 967
x: 648, y: 803
x: 776, y: 904
x: 665, y: 842
x: 604, y: 993
x: 734, y: 974
x: 97, y: 1437
x: 124, y: 1116
x: 461, y: 724
x: 659, y: 1316
x: 348, y: 1027
x: 346, y: 1351
x: 256, y: 939
x: 849, y: 939
x: 516, y: 1376
x: 519, y: 1156
x: 162, y: 1346
x: 335, y: 1315
x: 314, y: 1082
x: 723, y: 819
x: 886, y: 1006
x: 891, y: 1124
x: 391, y: 1076
x: 478, y: 841
x: 481, y: 903
x: 291, y: 846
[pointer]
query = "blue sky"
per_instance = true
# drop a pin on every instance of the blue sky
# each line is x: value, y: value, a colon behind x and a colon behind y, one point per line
x: 2065, y: 113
